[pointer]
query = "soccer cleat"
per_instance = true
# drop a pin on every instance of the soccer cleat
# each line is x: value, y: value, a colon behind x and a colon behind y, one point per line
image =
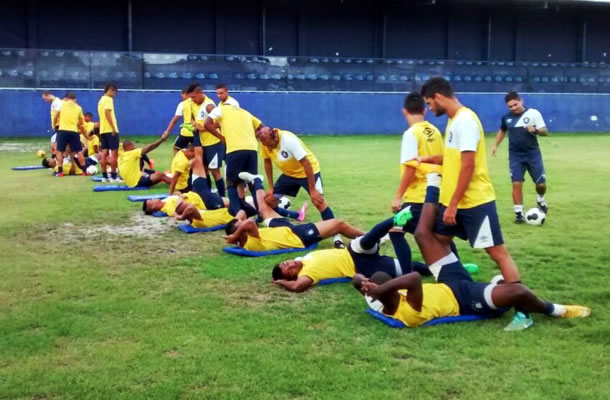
x: 84, y: 174
x: 520, y: 322
x: 339, y: 244
x: 117, y: 180
x: 519, y: 218
x: 471, y: 268
x: 425, y: 168
x: 403, y: 216
x: 248, y: 177
x: 576, y: 312
x: 302, y: 212
x: 543, y: 206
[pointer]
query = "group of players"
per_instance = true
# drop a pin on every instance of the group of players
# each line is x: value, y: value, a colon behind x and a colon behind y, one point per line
x: 444, y: 191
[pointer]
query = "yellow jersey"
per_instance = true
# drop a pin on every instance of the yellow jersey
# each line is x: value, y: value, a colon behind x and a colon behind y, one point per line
x: 212, y: 218
x: 91, y: 143
x: 207, y: 139
x: 129, y: 166
x: 273, y: 239
x: 170, y: 203
x: 465, y: 133
x: 69, y: 116
x: 66, y: 169
x: 106, y: 103
x: 326, y: 264
x: 420, y: 140
x: 181, y: 164
x: 438, y: 301
x: 238, y: 127
x: 187, y: 116
x: 288, y: 153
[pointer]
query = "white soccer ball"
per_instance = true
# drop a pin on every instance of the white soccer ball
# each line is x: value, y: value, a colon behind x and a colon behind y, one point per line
x: 535, y: 216
x: 284, y: 202
x: 91, y: 170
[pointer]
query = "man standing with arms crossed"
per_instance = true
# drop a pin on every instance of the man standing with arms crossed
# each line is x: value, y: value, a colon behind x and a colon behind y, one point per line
x: 523, y: 125
x: 468, y: 206
x: 109, y: 134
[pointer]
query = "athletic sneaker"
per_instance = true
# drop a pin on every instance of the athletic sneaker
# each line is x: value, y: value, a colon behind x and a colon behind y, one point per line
x: 403, y: 216
x: 339, y: 244
x: 302, y: 212
x: 104, y: 180
x: 519, y: 323
x: 519, y: 218
x: 576, y: 312
x: 59, y: 174
x: 248, y: 177
x: 543, y: 206
x: 116, y: 180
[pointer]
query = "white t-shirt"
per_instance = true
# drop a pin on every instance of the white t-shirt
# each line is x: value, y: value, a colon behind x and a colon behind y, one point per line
x: 179, y: 110
x: 56, y: 104
x: 203, y: 114
x: 464, y: 133
x: 231, y: 102
x: 408, y: 147
x: 290, y: 147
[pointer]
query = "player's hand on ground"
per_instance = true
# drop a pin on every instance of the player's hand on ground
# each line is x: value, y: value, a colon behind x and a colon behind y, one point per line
x: 449, y: 216
x: 396, y: 204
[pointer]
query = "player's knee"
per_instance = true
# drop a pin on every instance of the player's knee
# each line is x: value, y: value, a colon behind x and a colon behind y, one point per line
x: 422, y: 236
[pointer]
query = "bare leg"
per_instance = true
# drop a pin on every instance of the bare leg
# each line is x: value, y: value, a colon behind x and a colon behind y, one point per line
x: 334, y: 226
x: 430, y: 245
x: 519, y: 296
x: 541, y: 188
x: 518, y: 193
x: 113, y: 161
x: 104, y: 161
x: 160, y: 177
x: 505, y: 262
x: 264, y: 210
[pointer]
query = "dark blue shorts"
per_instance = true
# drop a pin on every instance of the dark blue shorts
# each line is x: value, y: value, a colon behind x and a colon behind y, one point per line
x: 211, y: 200
x: 89, y: 162
x: 241, y: 161
x: 471, y: 296
x: 308, y: 233
x: 108, y: 141
x: 289, y: 186
x: 214, y: 155
x: 532, y: 162
x: 368, y: 264
x: 65, y: 138
x: 182, y: 142
x: 145, y: 181
x: 479, y: 225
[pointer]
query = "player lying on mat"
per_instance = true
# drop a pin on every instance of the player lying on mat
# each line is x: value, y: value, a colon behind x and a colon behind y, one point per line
x: 280, y: 233
x: 70, y: 168
x: 455, y: 293
x: 361, y: 256
x: 131, y: 168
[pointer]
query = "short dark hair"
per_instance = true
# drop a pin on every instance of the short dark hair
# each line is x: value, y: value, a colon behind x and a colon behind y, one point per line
x: 231, y: 228
x: 47, y: 93
x: 276, y: 273
x: 192, y: 87
x: 183, y: 91
x: 71, y: 95
x: 414, y: 103
x: 436, y: 85
x: 127, y: 142
x: 511, y: 96
x: 380, y: 277
x: 145, y: 208
x: 222, y: 86
x: 110, y: 86
x: 45, y: 163
x: 88, y: 114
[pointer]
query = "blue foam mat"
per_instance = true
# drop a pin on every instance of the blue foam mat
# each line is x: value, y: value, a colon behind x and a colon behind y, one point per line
x: 28, y: 167
x: 330, y: 281
x: 238, y: 251
x: 143, y: 197
x: 189, y: 229
x: 117, y: 188
x: 394, y: 323
x: 96, y: 178
x: 159, y: 214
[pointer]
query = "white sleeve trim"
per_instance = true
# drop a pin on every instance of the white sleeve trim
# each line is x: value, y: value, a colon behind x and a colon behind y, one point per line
x: 179, y: 110
x: 216, y: 113
x: 467, y: 134
x: 537, y: 119
x: 408, y: 147
x: 293, y: 146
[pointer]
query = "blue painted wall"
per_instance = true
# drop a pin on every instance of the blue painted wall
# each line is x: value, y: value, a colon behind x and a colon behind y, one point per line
x: 23, y: 112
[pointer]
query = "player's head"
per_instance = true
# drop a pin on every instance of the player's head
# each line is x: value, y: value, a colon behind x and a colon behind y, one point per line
x: 189, y: 151
x: 183, y: 94
x: 152, y: 205
x: 110, y: 89
x: 128, y: 145
x: 48, y: 96
x: 70, y: 96
x: 195, y: 92
x: 268, y: 136
x: 414, y: 105
x: 514, y: 102
x: 88, y: 117
x: 437, y: 92
x: 49, y: 162
x: 363, y: 284
x: 287, y: 270
x: 222, y: 91
x: 232, y: 227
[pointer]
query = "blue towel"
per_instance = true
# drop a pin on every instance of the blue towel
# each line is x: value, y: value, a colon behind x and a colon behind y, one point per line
x: 28, y: 167
x: 394, y: 323
x: 247, y: 253
x: 142, y: 197
x: 189, y: 229
x: 117, y: 188
x: 330, y: 281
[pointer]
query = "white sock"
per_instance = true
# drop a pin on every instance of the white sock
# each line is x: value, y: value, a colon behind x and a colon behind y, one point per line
x: 518, y: 208
x: 540, y: 198
x: 337, y: 237
x: 558, y: 310
x: 434, y: 179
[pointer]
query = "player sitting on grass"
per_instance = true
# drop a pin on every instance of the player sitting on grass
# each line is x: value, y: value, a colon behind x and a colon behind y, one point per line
x: 361, y: 256
x: 455, y: 293
x: 181, y: 169
x: 130, y: 164
x: 280, y: 233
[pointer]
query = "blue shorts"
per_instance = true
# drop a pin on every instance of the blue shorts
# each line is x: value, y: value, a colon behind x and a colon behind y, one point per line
x: 65, y: 138
x: 108, y: 141
x: 211, y: 200
x: 241, y: 161
x: 182, y: 142
x: 368, y: 264
x: 308, y: 233
x: 145, y: 181
x: 289, y: 186
x: 479, y: 225
x: 214, y: 155
x: 532, y: 162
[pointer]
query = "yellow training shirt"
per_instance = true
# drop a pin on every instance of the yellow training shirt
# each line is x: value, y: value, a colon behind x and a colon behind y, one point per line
x: 106, y: 103
x: 69, y: 115
x: 187, y: 116
x: 129, y: 166
x: 181, y: 164
x: 171, y: 202
x: 238, y: 127
x: 438, y: 301
x: 288, y: 153
x: 420, y: 140
x: 91, y: 143
x: 66, y: 169
x: 326, y: 264
x: 212, y: 218
x: 465, y: 133
x: 273, y: 239
x: 207, y: 139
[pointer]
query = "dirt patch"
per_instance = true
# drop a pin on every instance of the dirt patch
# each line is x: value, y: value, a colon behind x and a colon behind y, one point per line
x: 19, y: 147
x: 139, y: 225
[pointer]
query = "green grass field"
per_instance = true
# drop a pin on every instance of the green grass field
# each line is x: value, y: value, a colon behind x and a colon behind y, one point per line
x: 97, y: 301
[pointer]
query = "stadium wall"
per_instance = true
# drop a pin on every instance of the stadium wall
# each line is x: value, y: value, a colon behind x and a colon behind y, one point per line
x: 148, y: 112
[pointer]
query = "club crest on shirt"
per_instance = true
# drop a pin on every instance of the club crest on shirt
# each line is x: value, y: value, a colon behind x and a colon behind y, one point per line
x: 284, y: 153
x: 526, y: 120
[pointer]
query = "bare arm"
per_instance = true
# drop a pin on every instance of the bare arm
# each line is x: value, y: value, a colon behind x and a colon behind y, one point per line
x: 172, y: 123
x: 301, y: 284
x: 436, y: 159
x: 310, y: 174
x: 172, y: 185
x: 405, y: 181
x: 499, y: 138
x: 542, y: 131
x: 209, y: 126
x: 108, y: 114
x: 156, y: 144
x: 269, y: 173
x: 56, y: 119
x: 464, y: 179
x: 411, y: 282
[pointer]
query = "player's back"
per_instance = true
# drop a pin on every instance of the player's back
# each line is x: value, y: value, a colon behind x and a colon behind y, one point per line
x: 238, y: 127
x: 69, y: 116
x: 429, y: 143
x: 438, y: 301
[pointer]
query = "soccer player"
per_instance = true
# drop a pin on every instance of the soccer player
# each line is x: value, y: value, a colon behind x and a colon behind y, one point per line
x: 69, y: 121
x: 468, y: 206
x: 129, y: 164
x: 89, y: 139
x: 455, y: 293
x: 109, y: 133
x: 185, y: 137
x: 181, y: 169
x: 299, y: 166
x: 55, y: 107
x: 238, y: 134
x: 222, y: 91
x: 523, y: 126
x: 280, y: 233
